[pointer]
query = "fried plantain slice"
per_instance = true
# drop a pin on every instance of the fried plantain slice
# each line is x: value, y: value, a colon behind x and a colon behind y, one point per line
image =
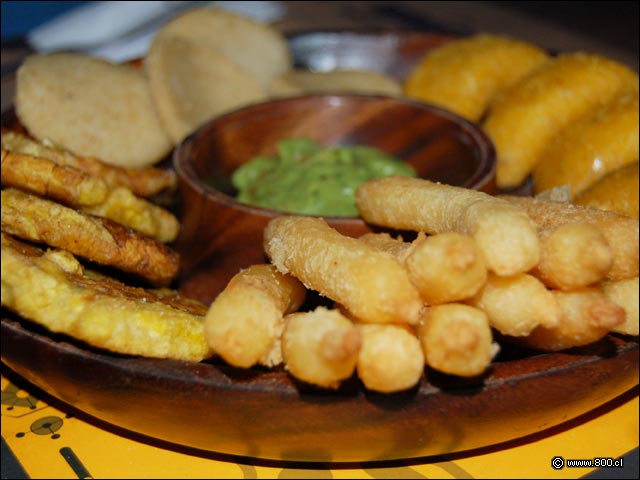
x: 94, y: 238
x: 53, y: 289
x: 144, y: 182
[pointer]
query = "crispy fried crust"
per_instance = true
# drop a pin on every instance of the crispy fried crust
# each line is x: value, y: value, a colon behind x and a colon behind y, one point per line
x: 54, y: 290
x: 98, y: 239
x: 144, y: 182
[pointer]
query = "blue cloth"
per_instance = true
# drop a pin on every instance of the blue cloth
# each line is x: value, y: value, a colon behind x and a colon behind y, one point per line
x: 19, y: 17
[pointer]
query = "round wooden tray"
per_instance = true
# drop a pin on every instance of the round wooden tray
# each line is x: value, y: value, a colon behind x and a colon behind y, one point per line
x: 266, y: 414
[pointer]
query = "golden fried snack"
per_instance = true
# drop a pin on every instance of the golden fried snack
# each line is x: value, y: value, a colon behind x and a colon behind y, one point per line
x: 620, y: 231
x: 516, y: 305
x: 53, y: 290
x: 244, y: 323
x: 573, y: 255
x: 586, y: 316
x: 616, y: 191
x: 91, y: 106
x: 98, y: 239
x: 144, y: 182
x: 444, y: 267
x: 562, y: 91
x: 465, y: 75
x: 320, y: 347
x: 44, y: 177
x: 390, y: 358
x: 591, y: 147
x: 505, y: 235
x: 370, y: 284
x: 625, y: 294
x: 457, y: 339
x: 75, y: 188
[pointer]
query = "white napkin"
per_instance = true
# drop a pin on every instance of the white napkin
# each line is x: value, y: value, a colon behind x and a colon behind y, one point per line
x: 119, y: 31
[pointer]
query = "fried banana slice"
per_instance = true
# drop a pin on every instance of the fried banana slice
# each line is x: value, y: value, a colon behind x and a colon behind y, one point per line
x: 144, y: 182
x: 78, y: 189
x: 53, y: 290
x: 98, y: 239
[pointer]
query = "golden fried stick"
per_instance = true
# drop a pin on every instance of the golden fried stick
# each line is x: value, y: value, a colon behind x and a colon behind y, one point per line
x: 625, y: 294
x: 98, y: 239
x: 616, y: 191
x: 457, y: 339
x: 588, y: 149
x: 586, y: 316
x: 370, y: 284
x: 244, y: 323
x: 465, y: 75
x: 320, y: 347
x: 444, y: 267
x: 505, y: 235
x: 573, y: 255
x: 144, y: 182
x: 620, y: 231
x: 46, y: 178
x: 566, y: 88
x: 517, y: 304
x: 53, y: 290
x: 390, y: 357
x: 76, y: 188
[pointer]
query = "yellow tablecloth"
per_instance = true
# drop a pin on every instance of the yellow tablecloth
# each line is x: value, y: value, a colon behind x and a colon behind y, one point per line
x: 50, y: 443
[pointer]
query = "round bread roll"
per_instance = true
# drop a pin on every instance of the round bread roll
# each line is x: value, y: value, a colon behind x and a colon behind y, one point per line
x: 193, y: 82
x: 259, y: 49
x: 92, y: 107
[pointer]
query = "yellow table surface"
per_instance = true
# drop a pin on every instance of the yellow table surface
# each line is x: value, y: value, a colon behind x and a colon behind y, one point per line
x: 50, y: 443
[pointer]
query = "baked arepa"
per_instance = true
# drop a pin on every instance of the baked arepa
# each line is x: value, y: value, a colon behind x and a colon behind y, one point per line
x: 92, y: 107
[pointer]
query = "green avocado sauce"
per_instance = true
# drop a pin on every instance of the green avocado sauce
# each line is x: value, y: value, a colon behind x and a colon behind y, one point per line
x: 306, y: 178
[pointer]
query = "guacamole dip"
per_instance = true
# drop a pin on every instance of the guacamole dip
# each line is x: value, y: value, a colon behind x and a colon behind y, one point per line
x: 304, y: 177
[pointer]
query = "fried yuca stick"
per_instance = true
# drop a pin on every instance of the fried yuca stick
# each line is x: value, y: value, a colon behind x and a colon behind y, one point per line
x: 556, y: 94
x: 456, y: 339
x: 586, y: 316
x: 244, y: 323
x: 320, y: 347
x: 444, y: 267
x: 516, y: 305
x: 620, y: 231
x: 505, y: 235
x: 370, y: 284
x: 573, y: 255
x: 46, y: 178
x: 625, y: 294
x: 465, y: 75
x: 390, y: 358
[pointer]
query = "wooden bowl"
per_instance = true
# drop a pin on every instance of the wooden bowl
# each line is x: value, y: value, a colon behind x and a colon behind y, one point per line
x: 220, y: 235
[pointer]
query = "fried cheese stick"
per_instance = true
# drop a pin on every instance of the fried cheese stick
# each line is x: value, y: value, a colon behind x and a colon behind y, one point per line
x: 444, y: 267
x: 516, y: 305
x: 244, y: 323
x: 390, y: 358
x: 456, y: 339
x: 625, y: 294
x: 505, y: 234
x: 573, y: 255
x: 54, y: 290
x: 620, y: 231
x: 370, y: 284
x: 320, y: 347
x: 465, y: 75
x: 586, y: 316
x: 560, y: 92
